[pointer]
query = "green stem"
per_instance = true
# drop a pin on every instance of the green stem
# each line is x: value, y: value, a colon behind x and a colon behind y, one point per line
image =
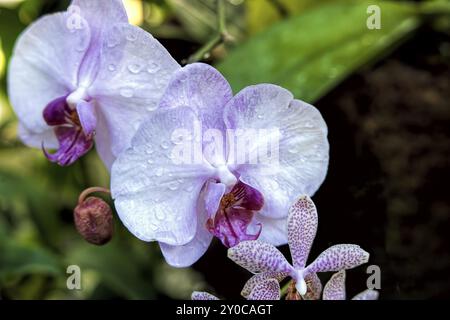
x: 284, y: 289
x: 220, y: 37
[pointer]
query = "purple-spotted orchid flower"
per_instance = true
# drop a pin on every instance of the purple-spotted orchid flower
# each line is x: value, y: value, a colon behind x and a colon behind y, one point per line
x: 85, y: 75
x: 335, y: 289
x: 184, y: 204
x: 267, y: 262
x: 264, y: 290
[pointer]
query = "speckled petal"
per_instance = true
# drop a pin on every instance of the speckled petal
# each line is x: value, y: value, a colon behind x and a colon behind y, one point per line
x: 266, y: 290
x: 339, y: 257
x: 257, y: 256
x: 368, y: 294
x: 314, y: 287
x: 302, y: 228
x: 261, y: 277
x: 196, y: 295
x: 335, y: 287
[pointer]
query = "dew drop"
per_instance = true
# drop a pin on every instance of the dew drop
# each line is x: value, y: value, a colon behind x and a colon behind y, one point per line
x: 178, y: 139
x: 165, y: 145
x: 159, y: 172
x: 309, y: 124
x: 152, y: 67
x: 135, y: 68
x: 112, y: 67
x: 173, y: 186
x: 160, y: 216
x: 131, y: 37
x: 152, y: 106
x: 149, y: 150
x: 293, y: 150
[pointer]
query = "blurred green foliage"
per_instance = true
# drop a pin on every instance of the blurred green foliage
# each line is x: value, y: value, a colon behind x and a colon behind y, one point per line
x: 307, y: 46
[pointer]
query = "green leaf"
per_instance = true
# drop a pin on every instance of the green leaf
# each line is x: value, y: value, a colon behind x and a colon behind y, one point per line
x: 311, y: 53
x: 263, y: 13
x: 116, y: 265
x: 18, y: 259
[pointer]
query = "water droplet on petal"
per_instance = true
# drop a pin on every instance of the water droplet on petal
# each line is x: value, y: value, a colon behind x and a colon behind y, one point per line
x: 173, y: 186
x: 135, y: 68
x: 149, y: 150
x: 152, y: 67
x: 165, y: 145
x: 131, y: 37
x: 112, y: 67
x: 159, y: 172
x: 309, y: 124
x: 160, y: 216
x: 152, y: 106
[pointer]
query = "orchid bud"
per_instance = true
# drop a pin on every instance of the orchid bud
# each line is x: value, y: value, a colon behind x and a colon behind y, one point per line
x: 93, y: 218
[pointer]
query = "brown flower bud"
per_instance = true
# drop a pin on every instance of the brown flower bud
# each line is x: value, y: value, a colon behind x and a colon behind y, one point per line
x: 94, y: 219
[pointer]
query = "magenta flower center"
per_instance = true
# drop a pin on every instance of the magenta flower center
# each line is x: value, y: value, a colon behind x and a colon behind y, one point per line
x: 233, y: 221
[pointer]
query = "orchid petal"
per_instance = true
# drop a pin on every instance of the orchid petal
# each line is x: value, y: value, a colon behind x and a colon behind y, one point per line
x: 302, y: 227
x: 44, y: 67
x: 135, y: 70
x: 301, y: 134
x: 267, y: 290
x: 155, y: 197
x: 257, y: 256
x: 339, y: 257
x: 36, y: 140
x: 196, y: 295
x: 103, y: 141
x: 273, y: 231
x: 335, y: 287
x: 212, y: 196
x: 314, y: 287
x: 111, y: 11
x: 188, y: 254
x: 202, y: 88
x: 261, y: 277
x: 368, y: 294
x: 87, y: 116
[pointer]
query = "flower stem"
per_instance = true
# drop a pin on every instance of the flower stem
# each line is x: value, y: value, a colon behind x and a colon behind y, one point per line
x: 220, y: 37
x: 88, y: 191
x: 284, y: 289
